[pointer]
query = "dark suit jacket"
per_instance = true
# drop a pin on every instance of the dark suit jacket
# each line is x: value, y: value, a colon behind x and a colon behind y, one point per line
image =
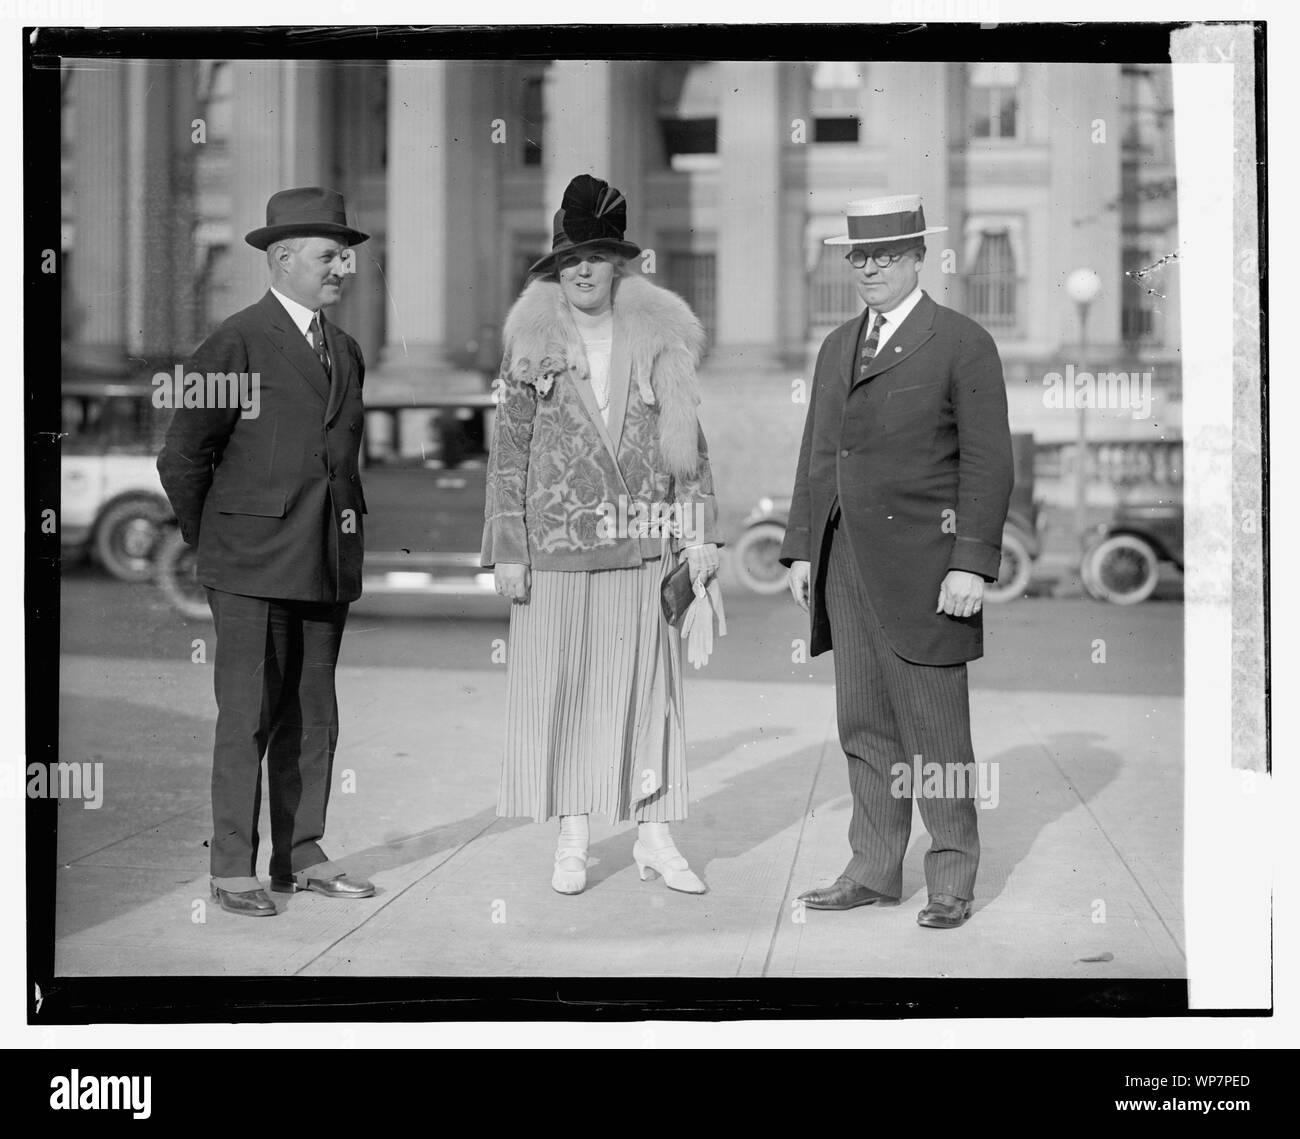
x: 273, y: 503
x: 919, y: 453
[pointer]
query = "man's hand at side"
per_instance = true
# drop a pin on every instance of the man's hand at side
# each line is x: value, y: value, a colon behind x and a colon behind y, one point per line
x: 798, y: 579
x: 961, y: 594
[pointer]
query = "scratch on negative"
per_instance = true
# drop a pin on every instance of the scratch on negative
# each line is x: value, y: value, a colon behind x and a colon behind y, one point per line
x: 1147, y: 270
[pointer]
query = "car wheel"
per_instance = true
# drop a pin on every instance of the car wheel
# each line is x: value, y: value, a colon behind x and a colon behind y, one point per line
x: 1123, y: 569
x: 126, y: 537
x: 756, y: 557
x: 176, y: 572
x: 1015, y: 572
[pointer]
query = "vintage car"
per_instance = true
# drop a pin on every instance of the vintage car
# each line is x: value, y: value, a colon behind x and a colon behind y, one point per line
x: 112, y: 502
x: 424, y: 472
x: 755, y: 553
x: 1122, y: 558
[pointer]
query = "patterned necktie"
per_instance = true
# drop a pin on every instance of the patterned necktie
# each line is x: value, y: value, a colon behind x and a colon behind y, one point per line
x: 869, y: 346
x: 318, y: 343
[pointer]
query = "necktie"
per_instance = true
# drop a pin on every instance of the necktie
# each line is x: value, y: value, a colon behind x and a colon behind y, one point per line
x: 870, y: 344
x: 318, y: 343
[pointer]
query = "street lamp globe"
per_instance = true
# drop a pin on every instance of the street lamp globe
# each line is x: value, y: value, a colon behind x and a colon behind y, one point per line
x: 1083, y: 285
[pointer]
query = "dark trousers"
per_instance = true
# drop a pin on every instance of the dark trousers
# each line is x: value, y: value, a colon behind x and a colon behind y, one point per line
x: 890, y: 710
x: 274, y: 678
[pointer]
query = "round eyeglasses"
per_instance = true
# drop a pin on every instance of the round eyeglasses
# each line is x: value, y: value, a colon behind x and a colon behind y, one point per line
x: 858, y: 258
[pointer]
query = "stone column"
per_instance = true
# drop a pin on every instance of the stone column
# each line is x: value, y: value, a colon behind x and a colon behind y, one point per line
x: 309, y: 122
x: 919, y: 135
x: 98, y: 326
x: 595, y: 125
x: 750, y: 133
x: 159, y: 208
x: 1085, y: 199
x: 424, y: 252
x: 259, y: 166
x: 279, y: 138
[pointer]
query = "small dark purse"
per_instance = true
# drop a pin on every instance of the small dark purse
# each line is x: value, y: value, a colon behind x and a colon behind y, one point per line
x: 677, y: 593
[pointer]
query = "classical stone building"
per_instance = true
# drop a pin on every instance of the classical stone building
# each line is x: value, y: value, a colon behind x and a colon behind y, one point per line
x: 734, y: 171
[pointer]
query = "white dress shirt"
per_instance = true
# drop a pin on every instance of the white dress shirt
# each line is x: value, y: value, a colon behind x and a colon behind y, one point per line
x: 303, y: 316
x: 894, y: 317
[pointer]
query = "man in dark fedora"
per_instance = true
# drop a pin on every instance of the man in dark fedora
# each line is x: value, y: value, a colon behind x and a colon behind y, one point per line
x: 273, y: 503
x: 900, y: 495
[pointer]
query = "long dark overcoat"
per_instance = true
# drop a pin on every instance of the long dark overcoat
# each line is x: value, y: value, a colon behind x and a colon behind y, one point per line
x: 919, y: 452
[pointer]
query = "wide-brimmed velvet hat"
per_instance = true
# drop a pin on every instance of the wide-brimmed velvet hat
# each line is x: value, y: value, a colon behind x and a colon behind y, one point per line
x: 593, y: 215
x: 885, y: 219
x: 305, y: 211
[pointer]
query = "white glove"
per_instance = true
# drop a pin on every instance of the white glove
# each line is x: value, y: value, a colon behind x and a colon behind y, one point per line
x: 697, y: 625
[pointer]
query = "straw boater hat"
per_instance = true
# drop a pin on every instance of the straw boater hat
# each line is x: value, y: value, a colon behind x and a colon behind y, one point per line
x: 885, y: 219
x: 305, y: 211
x: 593, y: 215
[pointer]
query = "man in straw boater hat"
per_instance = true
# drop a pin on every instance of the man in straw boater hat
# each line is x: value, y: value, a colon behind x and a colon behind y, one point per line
x: 900, y: 494
x: 273, y: 504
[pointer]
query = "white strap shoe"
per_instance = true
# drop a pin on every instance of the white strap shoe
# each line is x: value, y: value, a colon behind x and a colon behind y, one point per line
x: 668, y: 863
x: 570, y: 875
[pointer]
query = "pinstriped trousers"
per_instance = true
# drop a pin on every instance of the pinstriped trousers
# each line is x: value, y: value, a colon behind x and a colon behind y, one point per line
x: 594, y: 721
x: 890, y: 710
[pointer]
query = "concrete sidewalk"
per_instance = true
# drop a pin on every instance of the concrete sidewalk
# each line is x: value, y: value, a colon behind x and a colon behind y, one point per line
x: 1088, y: 827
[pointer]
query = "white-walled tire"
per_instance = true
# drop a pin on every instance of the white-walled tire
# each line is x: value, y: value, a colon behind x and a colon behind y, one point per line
x: 127, y: 536
x: 756, y: 558
x: 1122, y: 569
x: 174, y: 571
x: 1016, y: 571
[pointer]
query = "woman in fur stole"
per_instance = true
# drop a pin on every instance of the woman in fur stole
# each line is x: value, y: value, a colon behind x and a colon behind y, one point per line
x: 598, y: 482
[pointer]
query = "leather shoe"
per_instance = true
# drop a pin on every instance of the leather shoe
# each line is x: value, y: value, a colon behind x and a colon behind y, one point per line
x: 844, y: 894
x: 340, y: 886
x: 247, y: 903
x: 943, y: 911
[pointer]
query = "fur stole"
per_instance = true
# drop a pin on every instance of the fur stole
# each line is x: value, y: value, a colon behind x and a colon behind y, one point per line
x: 663, y: 339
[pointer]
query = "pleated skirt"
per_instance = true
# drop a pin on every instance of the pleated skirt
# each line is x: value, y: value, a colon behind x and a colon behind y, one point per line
x: 594, y: 719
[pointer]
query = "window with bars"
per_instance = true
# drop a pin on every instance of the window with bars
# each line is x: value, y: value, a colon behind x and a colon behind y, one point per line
x: 991, y: 285
x: 693, y: 277
x: 832, y: 297
x: 993, y: 101
x: 1138, y: 311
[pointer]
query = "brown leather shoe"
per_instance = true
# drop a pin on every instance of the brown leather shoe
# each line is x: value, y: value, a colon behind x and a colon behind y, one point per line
x: 844, y: 894
x: 943, y: 911
x: 246, y: 903
x: 339, y: 886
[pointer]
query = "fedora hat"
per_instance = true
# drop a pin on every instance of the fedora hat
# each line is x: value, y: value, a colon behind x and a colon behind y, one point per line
x: 593, y: 215
x: 885, y: 219
x: 305, y: 211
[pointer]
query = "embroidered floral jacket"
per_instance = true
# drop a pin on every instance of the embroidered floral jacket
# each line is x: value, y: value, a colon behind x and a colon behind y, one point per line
x: 565, y: 491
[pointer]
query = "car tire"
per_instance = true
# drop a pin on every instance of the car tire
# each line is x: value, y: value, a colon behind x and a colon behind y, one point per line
x: 1015, y: 573
x: 1122, y: 569
x: 126, y: 537
x: 175, y: 572
x: 756, y: 558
